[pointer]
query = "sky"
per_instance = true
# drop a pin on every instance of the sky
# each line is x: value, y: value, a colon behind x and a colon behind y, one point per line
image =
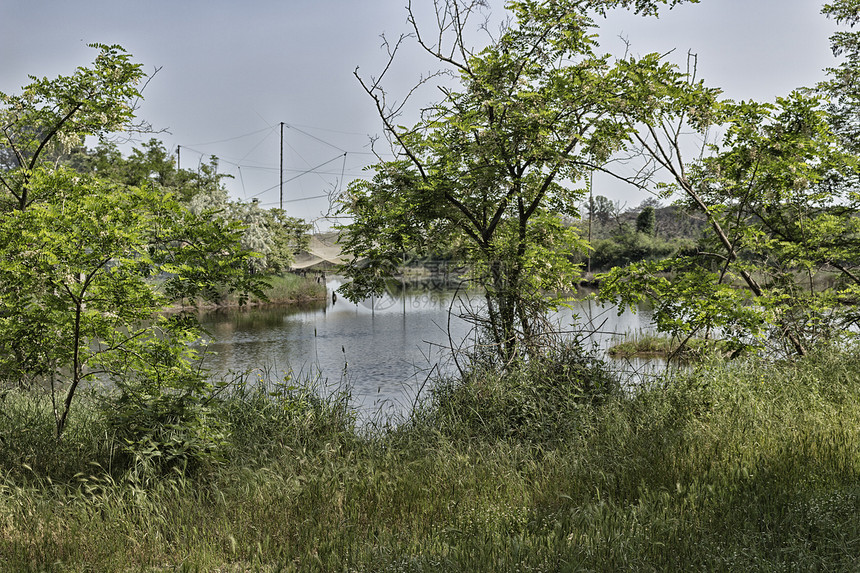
x: 230, y: 72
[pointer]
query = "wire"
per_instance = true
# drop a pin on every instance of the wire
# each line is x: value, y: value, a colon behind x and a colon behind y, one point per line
x: 242, y: 180
x: 295, y: 200
x: 259, y: 143
x: 314, y: 137
x: 234, y: 138
x: 329, y: 130
x: 311, y: 170
x: 342, y: 171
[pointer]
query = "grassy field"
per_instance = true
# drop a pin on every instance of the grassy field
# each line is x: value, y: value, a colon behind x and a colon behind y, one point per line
x: 738, y: 466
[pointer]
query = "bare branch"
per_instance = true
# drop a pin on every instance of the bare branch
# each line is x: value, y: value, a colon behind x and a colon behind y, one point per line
x: 457, y: 22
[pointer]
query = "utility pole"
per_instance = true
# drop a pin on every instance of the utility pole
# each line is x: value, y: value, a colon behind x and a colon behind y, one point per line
x: 177, y: 158
x: 282, y: 166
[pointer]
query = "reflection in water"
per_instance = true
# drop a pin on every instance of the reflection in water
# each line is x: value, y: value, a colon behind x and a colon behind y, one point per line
x: 383, y: 348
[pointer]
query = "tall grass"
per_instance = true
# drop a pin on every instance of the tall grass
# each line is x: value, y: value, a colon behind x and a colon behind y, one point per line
x: 294, y: 288
x: 285, y: 288
x: 744, y: 465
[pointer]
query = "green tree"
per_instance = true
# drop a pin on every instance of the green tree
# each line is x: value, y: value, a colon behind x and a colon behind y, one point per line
x: 289, y: 236
x: 646, y: 221
x: 603, y: 209
x: 491, y: 165
x: 271, y: 233
x: 841, y: 87
x: 89, y: 261
x: 778, y: 194
x: 51, y: 116
x: 83, y: 278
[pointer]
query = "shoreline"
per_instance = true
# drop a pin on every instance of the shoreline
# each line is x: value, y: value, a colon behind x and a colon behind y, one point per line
x: 249, y: 304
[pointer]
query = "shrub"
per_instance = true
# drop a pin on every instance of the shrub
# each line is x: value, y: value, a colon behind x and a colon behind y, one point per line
x: 629, y: 247
x: 537, y: 401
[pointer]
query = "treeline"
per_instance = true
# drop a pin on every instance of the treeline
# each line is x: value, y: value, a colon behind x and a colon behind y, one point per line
x: 648, y: 232
x: 275, y: 236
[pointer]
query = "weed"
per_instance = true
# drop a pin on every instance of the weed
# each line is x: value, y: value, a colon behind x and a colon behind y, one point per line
x: 741, y: 465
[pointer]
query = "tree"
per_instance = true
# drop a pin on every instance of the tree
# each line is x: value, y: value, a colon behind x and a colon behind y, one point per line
x: 604, y: 210
x: 271, y: 233
x: 54, y: 115
x: 646, y: 221
x: 841, y: 88
x: 88, y: 262
x: 289, y: 236
x: 491, y: 166
x: 84, y: 276
x: 779, y: 197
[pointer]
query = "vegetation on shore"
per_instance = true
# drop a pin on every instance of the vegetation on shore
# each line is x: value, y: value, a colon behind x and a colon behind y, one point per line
x: 645, y: 345
x: 118, y: 452
x: 742, y: 465
x: 292, y: 288
x: 287, y: 288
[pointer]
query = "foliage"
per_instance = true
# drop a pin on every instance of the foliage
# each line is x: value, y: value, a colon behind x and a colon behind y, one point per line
x: 491, y: 166
x: 290, y: 235
x: 273, y: 234
x: 291, y: 287
x: 626, y: 247
x: 650, y: 345
x: 745, y: 465
x: 778, y: 195
x: 841, y: 88
x: 263, y: 418
x: 603, y: 210
x: 89, y: 261
x: 52, y: 115
x: 646, y: 221
x: 77, y: 276
x: 159, y: 411
x: 535, y: 402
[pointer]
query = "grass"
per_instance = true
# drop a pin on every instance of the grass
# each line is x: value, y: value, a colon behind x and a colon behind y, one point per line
x: 294, y: 288
x: 288, y: 288
x: 645, y: 345
x: 746, y: 465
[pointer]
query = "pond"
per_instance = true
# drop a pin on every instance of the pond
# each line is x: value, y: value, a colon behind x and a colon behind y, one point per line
x: 381, y: 349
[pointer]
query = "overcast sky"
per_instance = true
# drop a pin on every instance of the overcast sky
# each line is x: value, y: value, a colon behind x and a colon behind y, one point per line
x: 232, y: 71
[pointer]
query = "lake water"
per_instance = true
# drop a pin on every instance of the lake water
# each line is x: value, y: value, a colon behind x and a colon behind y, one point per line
x: 383, y: 348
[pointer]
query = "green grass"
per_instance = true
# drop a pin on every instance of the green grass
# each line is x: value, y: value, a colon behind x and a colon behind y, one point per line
x: 283, y: 289
x: 740, y: 466
x: 294, y: 288
x: 654, y: 345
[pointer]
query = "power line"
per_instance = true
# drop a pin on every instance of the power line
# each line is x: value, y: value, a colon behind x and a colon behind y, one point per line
x: 295, y: 200
x: 330, y: 130
x: 311, y: 170
x: 234, y: 138
x: 315, y: 137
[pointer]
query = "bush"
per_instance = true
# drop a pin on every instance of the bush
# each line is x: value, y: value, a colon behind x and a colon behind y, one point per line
x: 630, y: 247
x: 161, y: 413
x: 29, y: 447
x: 537, y: 401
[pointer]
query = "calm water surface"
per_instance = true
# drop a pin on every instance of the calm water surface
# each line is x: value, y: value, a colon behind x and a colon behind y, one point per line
x: 383, y: 348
